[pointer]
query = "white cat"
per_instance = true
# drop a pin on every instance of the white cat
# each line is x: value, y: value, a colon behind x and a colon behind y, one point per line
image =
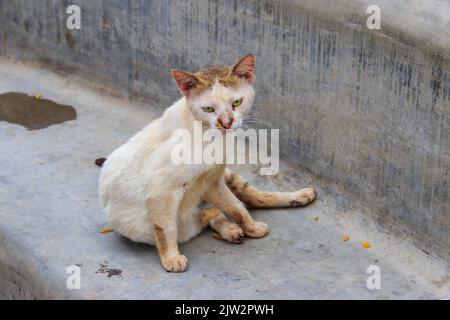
x: 149, y: 199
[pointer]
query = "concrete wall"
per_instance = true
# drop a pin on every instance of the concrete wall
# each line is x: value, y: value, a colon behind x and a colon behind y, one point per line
x: 368, y: 110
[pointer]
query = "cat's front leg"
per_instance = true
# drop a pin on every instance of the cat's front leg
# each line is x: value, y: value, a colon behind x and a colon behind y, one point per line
x: 163, y: 211
x: 225, y: 200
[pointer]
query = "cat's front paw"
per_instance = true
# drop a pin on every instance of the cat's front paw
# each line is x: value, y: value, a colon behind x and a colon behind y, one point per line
x: 177, y: 263
x: 303, y: 197
x: 257, y: 230
x: 230, y: 232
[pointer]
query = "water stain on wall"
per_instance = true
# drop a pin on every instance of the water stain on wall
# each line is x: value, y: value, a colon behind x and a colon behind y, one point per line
x: 31, y: 112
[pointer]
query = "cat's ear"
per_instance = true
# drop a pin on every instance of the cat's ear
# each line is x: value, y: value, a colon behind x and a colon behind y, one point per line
x: 245, y: 68
x: 185, y: 81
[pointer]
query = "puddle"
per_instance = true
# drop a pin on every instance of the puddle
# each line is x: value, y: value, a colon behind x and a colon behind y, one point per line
x: 33, y: 113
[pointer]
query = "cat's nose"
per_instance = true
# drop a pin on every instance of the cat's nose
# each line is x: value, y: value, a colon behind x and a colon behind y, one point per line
x: 225, y: 119
x: 226, y: 122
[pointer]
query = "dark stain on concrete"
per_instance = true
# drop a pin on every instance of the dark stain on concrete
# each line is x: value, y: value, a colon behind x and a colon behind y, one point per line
x: 33, y: 113
x: 104, y: 268
x: 27, y: 24
x: 436, y: 79
x: 71, y: 42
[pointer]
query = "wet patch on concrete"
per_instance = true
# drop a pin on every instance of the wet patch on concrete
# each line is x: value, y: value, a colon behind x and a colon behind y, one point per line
x: 33, y: 113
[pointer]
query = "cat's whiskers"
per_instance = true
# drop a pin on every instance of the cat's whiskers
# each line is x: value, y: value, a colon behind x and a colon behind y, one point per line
x: 253, y: 122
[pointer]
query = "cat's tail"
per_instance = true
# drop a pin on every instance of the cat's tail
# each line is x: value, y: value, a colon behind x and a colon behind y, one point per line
x: 99, y: 162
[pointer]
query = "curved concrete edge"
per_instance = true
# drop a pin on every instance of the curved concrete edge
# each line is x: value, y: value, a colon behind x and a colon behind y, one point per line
x: 24, y: 275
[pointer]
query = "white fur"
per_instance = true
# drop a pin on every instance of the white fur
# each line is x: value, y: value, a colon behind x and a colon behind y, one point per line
x: 141, y: 169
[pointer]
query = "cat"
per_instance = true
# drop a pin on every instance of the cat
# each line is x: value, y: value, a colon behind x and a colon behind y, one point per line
x: 149, y: 199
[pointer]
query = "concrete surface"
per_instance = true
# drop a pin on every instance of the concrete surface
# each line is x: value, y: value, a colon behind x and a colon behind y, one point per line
x: 424, y: 24
x: 50, y: 219
x: 365, y: 109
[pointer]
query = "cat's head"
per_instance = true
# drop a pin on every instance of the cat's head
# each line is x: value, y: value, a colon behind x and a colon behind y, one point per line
x: 219, y: 96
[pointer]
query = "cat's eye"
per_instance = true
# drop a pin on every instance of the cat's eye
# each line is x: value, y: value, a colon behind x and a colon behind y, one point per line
x: 208, y: 109
x: 237, y: 103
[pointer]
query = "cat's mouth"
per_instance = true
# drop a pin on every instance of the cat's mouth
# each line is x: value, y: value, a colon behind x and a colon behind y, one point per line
x: 230, y: 125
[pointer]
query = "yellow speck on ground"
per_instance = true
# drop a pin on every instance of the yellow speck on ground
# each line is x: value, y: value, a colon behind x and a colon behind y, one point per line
x: 38, y: 95
x: 366, y: 245
x: 106, y: 230
x: 345, y: 238
x: 316, y: 218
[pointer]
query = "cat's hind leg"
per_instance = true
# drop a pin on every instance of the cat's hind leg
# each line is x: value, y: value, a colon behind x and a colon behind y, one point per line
x: 255, y: 198
x: 225, y: 229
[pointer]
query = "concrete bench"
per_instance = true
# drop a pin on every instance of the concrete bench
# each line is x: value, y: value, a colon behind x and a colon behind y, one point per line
x: 363, y: 115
